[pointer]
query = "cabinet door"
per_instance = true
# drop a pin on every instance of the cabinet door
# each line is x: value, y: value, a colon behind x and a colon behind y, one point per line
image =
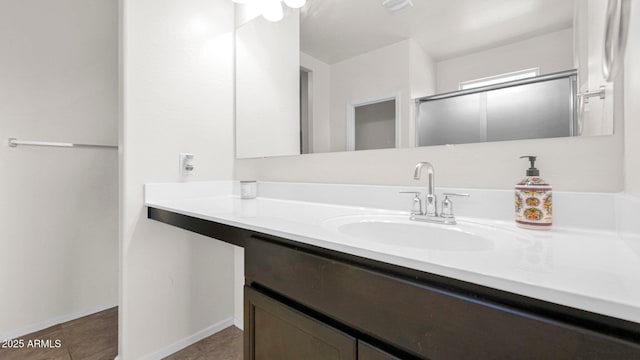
x: 369, y: 352
x: 274, y: 331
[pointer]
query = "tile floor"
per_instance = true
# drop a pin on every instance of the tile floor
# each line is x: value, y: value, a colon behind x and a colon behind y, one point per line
x: 95, y: 337
x: 225, y: 345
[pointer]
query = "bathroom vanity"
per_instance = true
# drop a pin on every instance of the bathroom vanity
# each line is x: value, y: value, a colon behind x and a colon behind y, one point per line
x: 307, y: 297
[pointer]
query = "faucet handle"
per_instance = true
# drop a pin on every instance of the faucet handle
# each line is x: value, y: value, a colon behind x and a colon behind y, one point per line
x: 416, y: 208
x: 454, y: 194
x: 447, y: 205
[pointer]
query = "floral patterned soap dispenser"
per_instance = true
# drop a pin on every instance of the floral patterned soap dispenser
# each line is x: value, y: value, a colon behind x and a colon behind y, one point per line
x: 533, y: 200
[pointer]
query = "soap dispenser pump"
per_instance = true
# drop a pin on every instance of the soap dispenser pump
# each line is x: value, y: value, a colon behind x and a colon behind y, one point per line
x: 533, y: 200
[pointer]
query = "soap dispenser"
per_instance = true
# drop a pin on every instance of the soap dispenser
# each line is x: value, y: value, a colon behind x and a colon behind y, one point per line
x: 533, y: 200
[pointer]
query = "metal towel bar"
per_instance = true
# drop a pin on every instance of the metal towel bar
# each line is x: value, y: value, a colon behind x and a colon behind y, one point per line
x: 13, y: 142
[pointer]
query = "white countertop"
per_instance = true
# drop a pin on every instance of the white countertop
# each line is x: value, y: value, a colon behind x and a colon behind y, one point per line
x: 597, y: 270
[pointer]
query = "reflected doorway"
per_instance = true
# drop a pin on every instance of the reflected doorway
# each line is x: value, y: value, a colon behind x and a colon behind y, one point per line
x: 373, y: 125
x: 306, y: 128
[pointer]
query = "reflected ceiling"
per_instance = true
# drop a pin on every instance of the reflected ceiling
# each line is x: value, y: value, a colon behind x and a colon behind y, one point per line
x: 445, y: 28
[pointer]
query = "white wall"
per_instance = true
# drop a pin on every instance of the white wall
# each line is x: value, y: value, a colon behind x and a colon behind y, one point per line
x: 422, y: 82
x: 569, y: 164
x: 320, y: 79
x: 632, y: 106
x: 550, y: 52
x: 378, y: 74
x: 267, y: 86
x: 410, y: 56
x: 58, y: 207
x: 177, y: 63
x: 422, y: 72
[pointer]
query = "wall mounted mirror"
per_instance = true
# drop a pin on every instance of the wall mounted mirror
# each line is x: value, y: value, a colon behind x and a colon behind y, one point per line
x: 267, y: 85
x: 427, y: 60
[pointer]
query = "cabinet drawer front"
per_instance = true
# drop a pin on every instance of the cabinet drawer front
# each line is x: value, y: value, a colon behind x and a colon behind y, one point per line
x: 422, y: 320
x: 277, y: 332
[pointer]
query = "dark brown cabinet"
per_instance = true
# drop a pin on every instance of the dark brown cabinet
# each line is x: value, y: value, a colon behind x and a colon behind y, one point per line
x: 412, y: 319
x: 277, y: 332
x: 370, y: 352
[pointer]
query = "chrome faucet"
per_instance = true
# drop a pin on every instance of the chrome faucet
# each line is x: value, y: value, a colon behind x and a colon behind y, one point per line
x: 430, y: 200
x: 430, y: 213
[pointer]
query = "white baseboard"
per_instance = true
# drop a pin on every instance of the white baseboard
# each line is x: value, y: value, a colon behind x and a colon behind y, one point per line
x: 53, y: 321
x: 177, y: 346
x: 238, y: 323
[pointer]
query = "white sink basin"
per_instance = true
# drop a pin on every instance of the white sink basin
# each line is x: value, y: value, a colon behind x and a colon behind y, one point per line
x: 398, y: 230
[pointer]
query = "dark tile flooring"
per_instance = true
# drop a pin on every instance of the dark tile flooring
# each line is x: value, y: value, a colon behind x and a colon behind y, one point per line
x: 95, y: 337
x: 224, y: 345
